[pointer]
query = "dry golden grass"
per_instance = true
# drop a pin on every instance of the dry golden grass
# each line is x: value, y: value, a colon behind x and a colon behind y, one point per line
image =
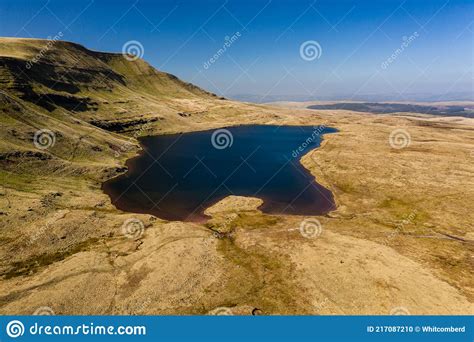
x: 402, y: 234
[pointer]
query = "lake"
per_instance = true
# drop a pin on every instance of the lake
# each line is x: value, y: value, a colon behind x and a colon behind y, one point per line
x: 178, y: 176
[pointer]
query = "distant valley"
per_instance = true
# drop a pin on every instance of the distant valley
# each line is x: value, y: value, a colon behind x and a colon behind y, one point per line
x: 390, y: 108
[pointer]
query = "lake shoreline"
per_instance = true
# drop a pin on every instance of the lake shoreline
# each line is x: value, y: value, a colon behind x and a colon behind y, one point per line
x: 267, y: 207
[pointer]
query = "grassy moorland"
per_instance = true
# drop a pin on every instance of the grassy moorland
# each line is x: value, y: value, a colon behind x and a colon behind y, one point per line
x: 402, y: 235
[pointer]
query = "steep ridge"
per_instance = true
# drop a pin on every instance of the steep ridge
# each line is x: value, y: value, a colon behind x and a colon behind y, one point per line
x: 84, y: 97
x: 71, y: 68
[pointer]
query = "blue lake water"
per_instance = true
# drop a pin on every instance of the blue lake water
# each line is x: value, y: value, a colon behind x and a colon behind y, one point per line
x: 178, y: 176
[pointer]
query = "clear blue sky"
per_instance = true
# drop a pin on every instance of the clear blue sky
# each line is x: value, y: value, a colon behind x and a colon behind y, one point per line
x: 356, y: 38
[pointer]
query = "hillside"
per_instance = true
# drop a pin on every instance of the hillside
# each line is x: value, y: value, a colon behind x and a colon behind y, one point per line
x: 402, y: 235
x: 75, y: 90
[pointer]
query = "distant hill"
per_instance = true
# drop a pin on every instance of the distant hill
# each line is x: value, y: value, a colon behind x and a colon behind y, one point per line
x: 387, y: 108
x: 389, y: 97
